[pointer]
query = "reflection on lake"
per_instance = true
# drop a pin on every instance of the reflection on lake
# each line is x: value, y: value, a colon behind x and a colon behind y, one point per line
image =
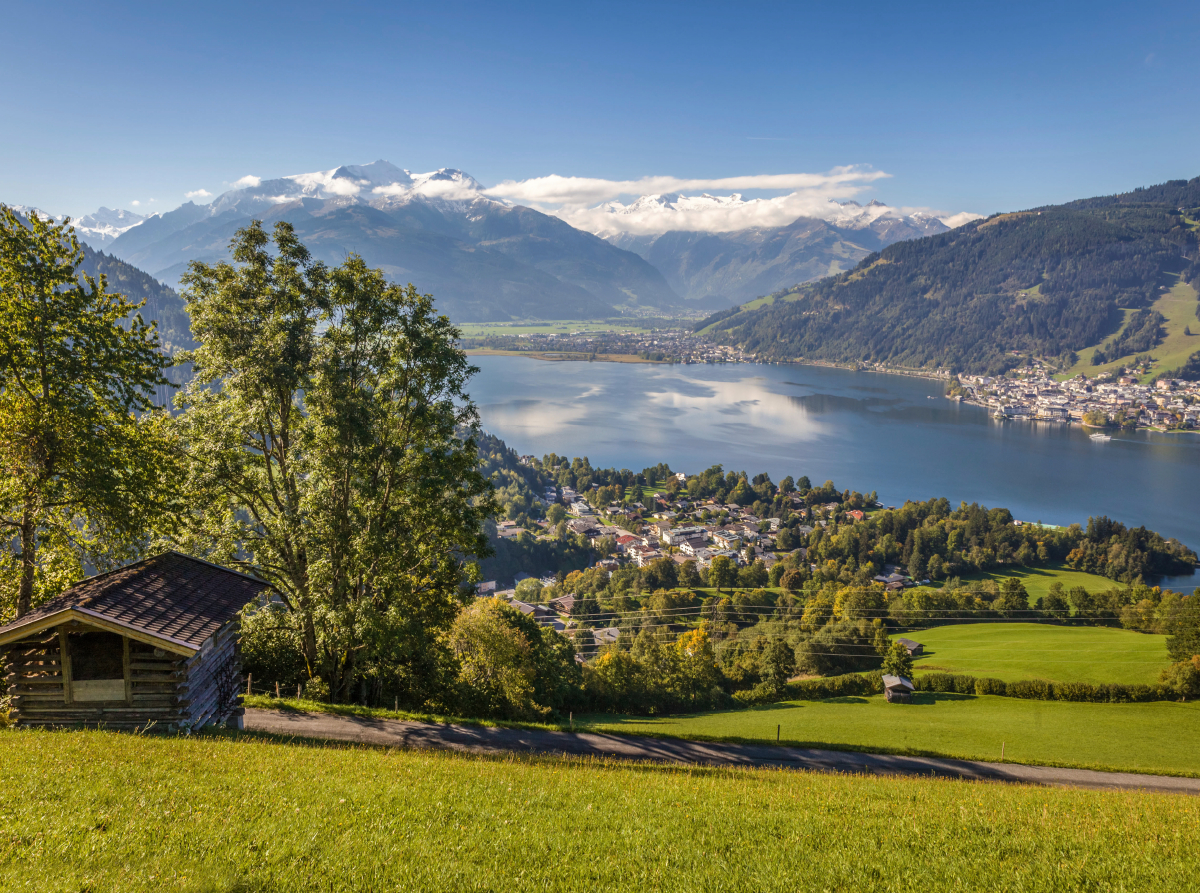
x: 864, y: 430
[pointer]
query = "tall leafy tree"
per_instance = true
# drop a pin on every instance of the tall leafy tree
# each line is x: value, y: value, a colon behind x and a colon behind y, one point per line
x: 332, y: 453
x: 84, y: 458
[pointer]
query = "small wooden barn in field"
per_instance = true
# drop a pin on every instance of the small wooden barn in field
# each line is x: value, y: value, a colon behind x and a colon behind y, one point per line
x: 152, y: 643
x: 914, y: 648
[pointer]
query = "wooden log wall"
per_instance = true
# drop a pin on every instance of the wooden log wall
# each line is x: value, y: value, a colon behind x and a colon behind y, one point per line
x: 34, y: 674
x: 211, y: 692
x: 163, y: 690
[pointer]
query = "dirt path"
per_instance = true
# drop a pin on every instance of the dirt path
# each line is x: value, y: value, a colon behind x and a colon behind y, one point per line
x: 490, y: 740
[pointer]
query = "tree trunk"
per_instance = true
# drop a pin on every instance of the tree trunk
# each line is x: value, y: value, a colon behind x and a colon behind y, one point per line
x: 28, y: 562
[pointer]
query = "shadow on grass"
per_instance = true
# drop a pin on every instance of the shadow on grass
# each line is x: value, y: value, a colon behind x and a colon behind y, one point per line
x: 933, y: 697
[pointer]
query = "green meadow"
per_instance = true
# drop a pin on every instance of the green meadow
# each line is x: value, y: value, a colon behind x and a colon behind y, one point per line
x: 1178, y: 306
x: 1037, y: 580
x: 1012, y: 651
x: 101, y: 812
x: 1156, y: 737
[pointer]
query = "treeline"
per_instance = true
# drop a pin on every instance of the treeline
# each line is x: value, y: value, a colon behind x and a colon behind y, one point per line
x: 1145, y: 329
x: 1045, y: 282
x: 929, y: 539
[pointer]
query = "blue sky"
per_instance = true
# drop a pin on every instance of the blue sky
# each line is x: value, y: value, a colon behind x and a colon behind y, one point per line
x: 966, y: 106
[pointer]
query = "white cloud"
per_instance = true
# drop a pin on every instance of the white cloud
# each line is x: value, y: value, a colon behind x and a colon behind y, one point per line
x: 956, y: 220
x: 135, y: 203
x: 558, y: 190
x: 247, y: 182
x: 325, y: 181
x: 197, y: 193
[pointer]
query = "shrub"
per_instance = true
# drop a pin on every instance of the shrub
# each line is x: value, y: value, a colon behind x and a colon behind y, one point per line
x: 990, y: 687
x: 1031, y: 689
x: 849, y: 684
x: 316, y: 689
x: 1182, y: 679
x: 1077, y: 691
x: 958, y: 683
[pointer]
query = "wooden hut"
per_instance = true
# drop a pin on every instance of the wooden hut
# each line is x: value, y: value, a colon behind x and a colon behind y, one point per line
x: 154, y: 643
x: 897, y: 689
x: 914, y: 648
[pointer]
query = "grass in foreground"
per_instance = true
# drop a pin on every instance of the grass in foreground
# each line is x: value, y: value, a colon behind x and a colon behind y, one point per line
x: 101, y: 811
x: 1011, y: 651
x: 1156, y: 737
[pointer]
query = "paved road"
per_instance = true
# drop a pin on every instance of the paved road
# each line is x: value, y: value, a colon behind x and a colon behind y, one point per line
x: 491, y: 740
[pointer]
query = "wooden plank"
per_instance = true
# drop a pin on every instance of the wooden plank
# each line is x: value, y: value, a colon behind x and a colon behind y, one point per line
x: 98, y: 621
x: 125, y: 669
x: 66, y: 658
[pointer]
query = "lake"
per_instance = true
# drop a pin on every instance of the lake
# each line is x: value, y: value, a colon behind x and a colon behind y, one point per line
x: 864, y: 430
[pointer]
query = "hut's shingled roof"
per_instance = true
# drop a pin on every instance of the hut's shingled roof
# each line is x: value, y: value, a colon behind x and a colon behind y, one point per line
x: 170, y: 595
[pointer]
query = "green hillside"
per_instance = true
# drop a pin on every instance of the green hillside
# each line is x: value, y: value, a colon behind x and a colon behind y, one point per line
x: 1053, y: 282
x: 1012, y: 651
x: 104, y: 812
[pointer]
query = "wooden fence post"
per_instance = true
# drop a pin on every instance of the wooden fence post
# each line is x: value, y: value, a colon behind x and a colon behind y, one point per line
x: 249, y: 679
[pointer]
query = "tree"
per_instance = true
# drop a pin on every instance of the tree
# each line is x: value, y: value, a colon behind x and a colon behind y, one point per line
x: 753, y: 575
x: 529, y: 589
x: 1184, y: 641
x: 85, y: 457
x: 556, y: 513
x: 882, y: 644
x: 689, y: 575
x: 723, y: 572
x: 898, y: 662
x: 793, y: 579
x: 780, y: 663
x: 496, y: 658
x: 1013, y: 600
x: 1055, y: 603
x: 331, y: 453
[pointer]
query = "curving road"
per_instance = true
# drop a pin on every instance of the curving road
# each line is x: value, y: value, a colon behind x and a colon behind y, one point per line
x: 491, y: 740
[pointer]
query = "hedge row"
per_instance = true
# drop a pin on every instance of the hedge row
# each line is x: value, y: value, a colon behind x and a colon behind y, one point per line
x: 848, y: 685
x: 1042, y: 690
x: 862, y: 684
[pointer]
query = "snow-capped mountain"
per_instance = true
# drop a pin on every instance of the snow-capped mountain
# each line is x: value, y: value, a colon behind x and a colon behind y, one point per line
x: 481, y: 258
x: 105, y: 225
x: 97, y: 230
x: 704, y: 256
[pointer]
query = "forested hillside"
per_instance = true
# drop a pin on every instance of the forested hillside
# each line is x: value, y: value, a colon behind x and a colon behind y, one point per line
x: 1046, y: 282
x: 162, y: 303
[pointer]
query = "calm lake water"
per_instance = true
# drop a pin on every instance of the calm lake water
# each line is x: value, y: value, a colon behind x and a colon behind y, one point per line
x: 864, y: 430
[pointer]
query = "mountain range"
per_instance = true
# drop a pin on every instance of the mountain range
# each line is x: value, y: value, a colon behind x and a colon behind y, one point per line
x: 739, y: 266
x: 485, y: 259
x: 1056, y: 282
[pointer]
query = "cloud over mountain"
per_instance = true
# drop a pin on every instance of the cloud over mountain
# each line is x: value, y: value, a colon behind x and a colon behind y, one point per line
x: 661, y: 206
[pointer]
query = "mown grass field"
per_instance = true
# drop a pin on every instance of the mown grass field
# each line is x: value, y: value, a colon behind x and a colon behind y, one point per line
x: 1157, y: 737
x: 1037, y: 580
x: 101, y: 812
x: 1012, y: 651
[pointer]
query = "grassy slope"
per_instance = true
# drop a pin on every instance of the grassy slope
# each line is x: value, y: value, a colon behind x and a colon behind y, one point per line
x: 1179, y: 307
x: 1037, y: 580
x: 1155, y: 737
x: 105, y: 812
x: 1011, y: 651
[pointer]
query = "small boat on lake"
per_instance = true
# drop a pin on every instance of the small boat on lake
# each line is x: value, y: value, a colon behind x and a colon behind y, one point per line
x: 1100, y: 437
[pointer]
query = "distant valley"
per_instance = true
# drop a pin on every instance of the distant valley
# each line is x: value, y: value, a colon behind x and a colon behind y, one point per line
x: 1088, y: 285
x: 485, y: 259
